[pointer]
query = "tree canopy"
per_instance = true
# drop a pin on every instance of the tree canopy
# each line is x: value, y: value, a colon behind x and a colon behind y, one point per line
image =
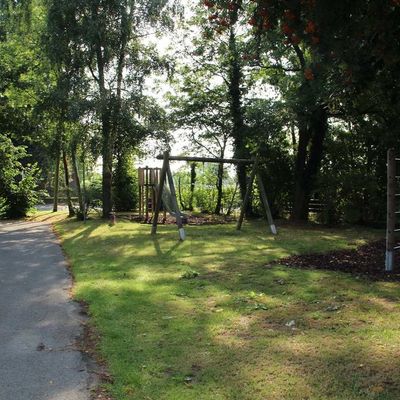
x: 311, y: 87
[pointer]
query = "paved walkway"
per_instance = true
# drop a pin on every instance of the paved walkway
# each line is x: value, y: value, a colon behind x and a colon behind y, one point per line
x: 38, y: 321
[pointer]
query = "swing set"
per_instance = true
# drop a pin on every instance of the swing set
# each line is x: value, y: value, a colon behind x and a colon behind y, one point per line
x: 166, y: 175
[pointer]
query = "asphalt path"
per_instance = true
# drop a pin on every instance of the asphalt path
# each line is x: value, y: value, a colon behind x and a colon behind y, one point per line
x: 39, y: 323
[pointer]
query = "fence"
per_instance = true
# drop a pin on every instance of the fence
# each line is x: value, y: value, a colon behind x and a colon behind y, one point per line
x: 392, y: 209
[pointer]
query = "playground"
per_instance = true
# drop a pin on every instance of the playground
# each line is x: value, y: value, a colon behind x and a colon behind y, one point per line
x: 199, y: 200
x: 218, y: 317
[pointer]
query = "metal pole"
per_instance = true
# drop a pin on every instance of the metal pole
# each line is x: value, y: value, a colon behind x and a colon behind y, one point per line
x: 391, y: 210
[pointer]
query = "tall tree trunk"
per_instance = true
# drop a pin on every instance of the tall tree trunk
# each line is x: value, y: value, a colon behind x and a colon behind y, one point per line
x: 71, y: 211
x: 183, y: 207
x: 312, y: 133
x: 105, y: 116
x: 228, y: 212
x: 193, y: 177
x: 238, y: 130
x: 77, y: 179
x: 220, y: 177
x: 107, y: 155
x: 108, y: 143
x: 56, y: 181
x: 59, y: 138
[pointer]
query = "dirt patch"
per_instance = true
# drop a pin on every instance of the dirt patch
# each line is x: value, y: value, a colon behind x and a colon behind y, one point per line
x: 367, y: 261
x: 188, y: 220
x: 88, y: 345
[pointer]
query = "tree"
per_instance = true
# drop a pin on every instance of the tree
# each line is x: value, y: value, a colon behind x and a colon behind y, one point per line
x: 214, y: 115
x: 109, y: 36
x: 205, y: 116
x: 18, y: 183
x: 321, y: 55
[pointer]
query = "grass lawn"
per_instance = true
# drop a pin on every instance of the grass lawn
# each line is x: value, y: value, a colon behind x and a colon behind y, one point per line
x: 168, y: 333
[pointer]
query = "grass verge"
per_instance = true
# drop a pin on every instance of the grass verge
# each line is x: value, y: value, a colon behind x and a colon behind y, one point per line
x: 210, y: 319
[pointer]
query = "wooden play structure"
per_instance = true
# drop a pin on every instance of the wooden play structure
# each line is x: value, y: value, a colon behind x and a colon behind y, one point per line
x: 392, y: 210
x: 166, y: 175
x: 149, y: 180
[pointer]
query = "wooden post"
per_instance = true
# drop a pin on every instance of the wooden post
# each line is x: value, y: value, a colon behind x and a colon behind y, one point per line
x: 264, y: 199
x: 391, y: 210
x: 163, y: 175
x: 140, y: 198
x: 247, y: 195
x: 179, y: 222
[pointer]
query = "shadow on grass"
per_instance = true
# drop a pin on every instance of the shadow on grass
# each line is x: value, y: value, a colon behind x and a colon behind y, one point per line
x: 224, y: 334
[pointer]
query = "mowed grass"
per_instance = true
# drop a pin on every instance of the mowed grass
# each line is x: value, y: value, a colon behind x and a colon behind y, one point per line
x: 223, y: 334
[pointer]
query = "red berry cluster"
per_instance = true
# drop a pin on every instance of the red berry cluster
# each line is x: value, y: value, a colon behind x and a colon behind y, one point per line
x: 219, y: 17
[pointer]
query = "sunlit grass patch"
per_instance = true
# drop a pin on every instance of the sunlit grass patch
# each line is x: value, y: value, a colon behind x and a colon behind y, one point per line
x: 210, y: 318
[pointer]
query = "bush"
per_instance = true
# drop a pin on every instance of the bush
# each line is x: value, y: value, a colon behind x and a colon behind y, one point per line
x: 125, y: 194
x: 3, y: 207
x: 93, y: 193
x: 18, y: 183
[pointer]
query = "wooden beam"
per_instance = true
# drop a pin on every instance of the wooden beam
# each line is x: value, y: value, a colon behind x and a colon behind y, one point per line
x: 391, y: 210
x: 265, y: 202
x: 179, y: 222
x: 247, y: 195
x: 163, y: 175
x: 209, y: 159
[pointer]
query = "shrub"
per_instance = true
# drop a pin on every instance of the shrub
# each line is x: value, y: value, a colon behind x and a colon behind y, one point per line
x: 125, y: 194
x: 18, y: 183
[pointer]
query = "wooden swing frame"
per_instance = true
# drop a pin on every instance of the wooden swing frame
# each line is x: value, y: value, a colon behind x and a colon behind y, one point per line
x: 167, y: 174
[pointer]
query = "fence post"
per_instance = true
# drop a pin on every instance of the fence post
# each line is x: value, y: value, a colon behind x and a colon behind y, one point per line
x: 391, y: 210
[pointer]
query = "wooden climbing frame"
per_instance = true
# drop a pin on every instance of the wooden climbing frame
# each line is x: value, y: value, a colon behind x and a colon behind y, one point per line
x: 149, y: 179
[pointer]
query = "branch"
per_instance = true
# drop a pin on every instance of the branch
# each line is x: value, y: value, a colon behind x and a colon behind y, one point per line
x: 92, y: 73
x: 300, y: 55
x: 276, y: 66
x: 202, y: 145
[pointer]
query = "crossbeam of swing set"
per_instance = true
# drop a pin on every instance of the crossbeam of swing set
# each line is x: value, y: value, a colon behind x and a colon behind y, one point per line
x: 208, y: 159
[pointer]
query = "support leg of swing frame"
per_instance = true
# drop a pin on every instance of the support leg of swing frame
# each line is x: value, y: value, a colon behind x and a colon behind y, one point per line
x: 179, y: 222
x: 163, y: 176
x: 265, y: 202
x: 246, y: 199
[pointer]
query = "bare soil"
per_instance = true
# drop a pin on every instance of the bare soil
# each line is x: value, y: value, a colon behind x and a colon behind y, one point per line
x: 367, y: 261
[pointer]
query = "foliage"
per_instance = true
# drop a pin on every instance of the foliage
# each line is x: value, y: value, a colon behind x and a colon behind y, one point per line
x: 93, y: 193
x: 268, y: 129
x: 328, y: 60
x: 18, y: 183
x: 125, y: 190
x: 205, y: 193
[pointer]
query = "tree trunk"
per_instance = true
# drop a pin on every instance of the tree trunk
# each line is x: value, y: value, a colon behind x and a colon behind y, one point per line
x: 71, y: 211
x: 56, y: 182
x: 77, y: 180
x: 59, y: 138
x: 238, y: 130
x: 193, y: 176
x: 180, y: 194
x: 312, y: 133
x: 105, y: 116
x: 220, y: 177
x: 228, y: 212
x: 107, y: 153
